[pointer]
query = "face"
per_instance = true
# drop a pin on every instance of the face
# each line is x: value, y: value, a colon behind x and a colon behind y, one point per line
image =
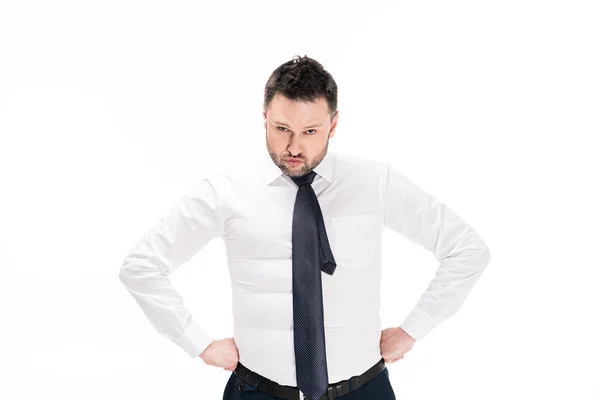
x: 298, y: 130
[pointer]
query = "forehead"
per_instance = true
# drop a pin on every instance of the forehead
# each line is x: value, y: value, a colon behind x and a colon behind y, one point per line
x: 282, y: 107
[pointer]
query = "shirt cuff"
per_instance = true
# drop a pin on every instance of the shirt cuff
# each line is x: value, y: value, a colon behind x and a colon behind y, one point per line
x: 418, y: 323
x: 193, y: 340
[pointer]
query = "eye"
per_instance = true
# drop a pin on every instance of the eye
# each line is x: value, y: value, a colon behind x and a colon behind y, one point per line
x: 283, y: 127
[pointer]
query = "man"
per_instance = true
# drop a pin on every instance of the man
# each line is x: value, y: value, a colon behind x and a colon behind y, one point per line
x: 303, y: 237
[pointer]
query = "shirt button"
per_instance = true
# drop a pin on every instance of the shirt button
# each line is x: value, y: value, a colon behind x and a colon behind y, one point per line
x: 241, y: 386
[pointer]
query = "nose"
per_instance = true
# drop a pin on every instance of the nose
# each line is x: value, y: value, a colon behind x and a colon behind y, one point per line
x: 295, y: 145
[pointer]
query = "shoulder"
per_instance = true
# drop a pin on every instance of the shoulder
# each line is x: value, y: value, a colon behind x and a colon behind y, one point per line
x: 351, y: 163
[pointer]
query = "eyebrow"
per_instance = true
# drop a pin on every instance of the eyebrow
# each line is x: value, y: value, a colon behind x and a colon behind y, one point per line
x: 310, y: 126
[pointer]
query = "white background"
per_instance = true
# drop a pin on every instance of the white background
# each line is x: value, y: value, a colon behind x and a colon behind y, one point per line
x: 110, y: 110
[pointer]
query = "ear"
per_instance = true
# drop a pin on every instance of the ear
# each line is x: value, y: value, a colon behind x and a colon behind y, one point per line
x: 334, y: 124
x: 265, y: 119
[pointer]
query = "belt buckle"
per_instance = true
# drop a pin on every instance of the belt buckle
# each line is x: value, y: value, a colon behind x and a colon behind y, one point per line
x: 327, y: 392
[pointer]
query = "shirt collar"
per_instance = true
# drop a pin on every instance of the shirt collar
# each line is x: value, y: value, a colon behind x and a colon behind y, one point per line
x: 272, y: 172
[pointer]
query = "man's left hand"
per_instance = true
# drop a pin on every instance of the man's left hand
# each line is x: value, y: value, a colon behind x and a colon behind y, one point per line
x: 394, y: 343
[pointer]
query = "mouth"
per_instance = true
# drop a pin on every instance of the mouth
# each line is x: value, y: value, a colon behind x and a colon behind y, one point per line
x: 293, y: 161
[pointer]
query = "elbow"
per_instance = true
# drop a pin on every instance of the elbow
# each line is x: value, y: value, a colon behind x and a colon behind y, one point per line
x: 486, y: 256
x: 126, y: 271
x: 122, y: 274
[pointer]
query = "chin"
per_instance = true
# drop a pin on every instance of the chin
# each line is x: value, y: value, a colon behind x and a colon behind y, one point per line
x: 295, y: 171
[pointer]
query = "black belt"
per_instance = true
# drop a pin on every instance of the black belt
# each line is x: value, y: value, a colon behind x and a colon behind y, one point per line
x: 293, y: 393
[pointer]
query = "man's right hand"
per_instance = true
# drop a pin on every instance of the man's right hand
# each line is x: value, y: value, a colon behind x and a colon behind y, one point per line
x: 221, y: 353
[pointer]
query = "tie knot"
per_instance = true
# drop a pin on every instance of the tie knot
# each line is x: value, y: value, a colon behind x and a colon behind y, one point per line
x: 305, y: 179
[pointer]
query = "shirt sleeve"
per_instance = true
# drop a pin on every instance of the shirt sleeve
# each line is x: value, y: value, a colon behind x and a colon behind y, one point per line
x: 460, y: 251
x: 174, y: 239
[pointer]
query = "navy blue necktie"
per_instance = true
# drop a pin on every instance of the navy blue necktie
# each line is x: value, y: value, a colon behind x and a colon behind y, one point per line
x: 311, y: 254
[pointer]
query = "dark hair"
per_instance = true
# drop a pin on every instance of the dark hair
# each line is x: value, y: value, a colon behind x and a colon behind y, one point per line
x: 302, y: 79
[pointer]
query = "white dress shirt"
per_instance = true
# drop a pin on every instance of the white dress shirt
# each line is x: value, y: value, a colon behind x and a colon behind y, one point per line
x: 251, y: 210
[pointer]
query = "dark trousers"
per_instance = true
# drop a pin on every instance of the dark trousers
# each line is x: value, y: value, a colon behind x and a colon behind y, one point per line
x: 378, y: 388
